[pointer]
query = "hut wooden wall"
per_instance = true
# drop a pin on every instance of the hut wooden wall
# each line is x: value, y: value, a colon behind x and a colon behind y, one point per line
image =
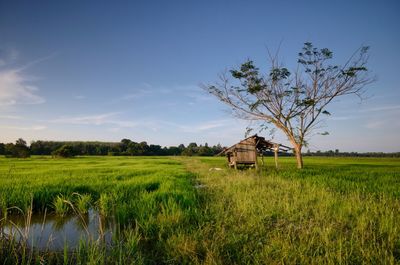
x: 245, y: 151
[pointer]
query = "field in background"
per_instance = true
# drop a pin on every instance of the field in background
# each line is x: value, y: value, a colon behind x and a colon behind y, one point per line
x: 181, y: 210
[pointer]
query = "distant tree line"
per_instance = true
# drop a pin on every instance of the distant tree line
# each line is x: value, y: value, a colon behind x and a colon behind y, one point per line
x: 124, y: 148
x: 130, y: 148
x: 350, y: 154
x: 19, y: 149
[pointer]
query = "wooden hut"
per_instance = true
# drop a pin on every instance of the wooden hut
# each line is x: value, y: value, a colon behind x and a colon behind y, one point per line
x: 246, y: 151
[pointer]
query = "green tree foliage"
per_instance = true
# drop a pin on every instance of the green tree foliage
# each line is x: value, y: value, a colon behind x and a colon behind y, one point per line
x: 2, y: 148
x: 124, y: 148
x: 190, y: 150
x: 65, y: 151
x: 337, y: 153
x: 19, y: 149
x: 205, y: 150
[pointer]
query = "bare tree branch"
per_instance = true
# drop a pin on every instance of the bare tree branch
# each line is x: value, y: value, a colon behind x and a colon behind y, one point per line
x: 293, y: 104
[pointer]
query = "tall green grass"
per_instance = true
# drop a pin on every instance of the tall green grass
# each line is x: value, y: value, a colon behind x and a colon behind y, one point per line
x: 150, y: 197
x: 335, y: 211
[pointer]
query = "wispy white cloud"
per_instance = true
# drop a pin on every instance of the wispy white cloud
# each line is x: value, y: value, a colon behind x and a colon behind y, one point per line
x: 11, y: 117
x: 143, y: 90
x: 381, y: 108
x: 15, y: 90
x: 341, y: 118
x: 115, y: 129
x: 14, y: 83
x: 25, y: 128
x: 193, y: 94
x: 7, y: 56
x: 79, y: 97
x: 85, y: 119
x: 99, y: 119
x: 367, y: 112
x: 36, y: 61
x: 135, y: 95
x: 375, y: 124
x: 124, y: 123
x: 386, y: 124
x: 202, y: 127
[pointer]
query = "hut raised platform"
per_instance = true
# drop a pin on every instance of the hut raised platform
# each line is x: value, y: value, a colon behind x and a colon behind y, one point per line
x: 246, y: 151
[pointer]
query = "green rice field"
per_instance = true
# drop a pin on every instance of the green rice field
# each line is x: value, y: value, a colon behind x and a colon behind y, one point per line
x: 194, y: 210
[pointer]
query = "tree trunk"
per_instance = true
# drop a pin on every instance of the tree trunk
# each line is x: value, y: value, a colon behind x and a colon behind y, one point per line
x: 276, y: 148
x: 299, y: 156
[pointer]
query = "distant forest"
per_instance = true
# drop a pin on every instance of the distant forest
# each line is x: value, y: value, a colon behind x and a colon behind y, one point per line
x: 130, y: 148
x: 351, y: 154
x: 124, y: 148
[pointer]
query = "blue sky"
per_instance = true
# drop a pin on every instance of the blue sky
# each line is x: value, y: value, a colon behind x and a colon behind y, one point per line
x: 102, y: 71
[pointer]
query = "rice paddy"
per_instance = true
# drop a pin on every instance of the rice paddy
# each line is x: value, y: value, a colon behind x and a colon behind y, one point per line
x: 178, y: 210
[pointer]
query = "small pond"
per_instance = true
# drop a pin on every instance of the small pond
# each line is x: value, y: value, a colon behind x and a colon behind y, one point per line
x: 52, y: 232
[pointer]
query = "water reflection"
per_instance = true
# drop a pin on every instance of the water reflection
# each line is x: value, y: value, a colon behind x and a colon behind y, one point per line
x: 52, y: 232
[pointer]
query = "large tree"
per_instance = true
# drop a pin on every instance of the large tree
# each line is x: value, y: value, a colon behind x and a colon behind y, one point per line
x: 19, y: 149
x: 292, y: 101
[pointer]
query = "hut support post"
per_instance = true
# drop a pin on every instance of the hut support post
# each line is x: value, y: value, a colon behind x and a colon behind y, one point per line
x: 256, y: 154
x: 276, y: 148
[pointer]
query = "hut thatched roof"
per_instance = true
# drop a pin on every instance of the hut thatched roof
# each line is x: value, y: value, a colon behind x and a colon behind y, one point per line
x: 260, y: 143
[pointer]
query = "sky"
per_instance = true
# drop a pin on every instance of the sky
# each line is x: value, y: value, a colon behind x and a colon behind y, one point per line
x: 93, y: 70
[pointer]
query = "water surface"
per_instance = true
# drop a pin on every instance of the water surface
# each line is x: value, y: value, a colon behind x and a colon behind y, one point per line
x: 53, y: 232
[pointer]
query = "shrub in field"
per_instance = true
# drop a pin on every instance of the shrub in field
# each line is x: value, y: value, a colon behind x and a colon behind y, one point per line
x: 64, y: 151
x: 132, y: 238
x: 61, y: 205
x: 3, y: 207
x: 82, y: 202
x: 105, y: 204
